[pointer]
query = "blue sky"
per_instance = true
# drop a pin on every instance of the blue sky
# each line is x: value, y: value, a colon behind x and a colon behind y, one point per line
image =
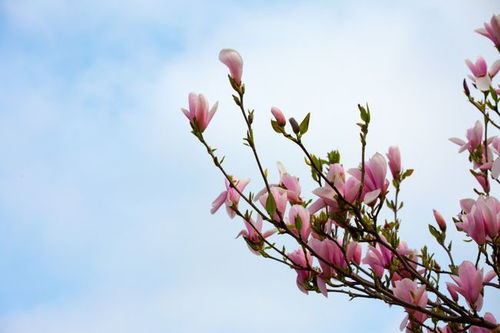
x: 105, y: 196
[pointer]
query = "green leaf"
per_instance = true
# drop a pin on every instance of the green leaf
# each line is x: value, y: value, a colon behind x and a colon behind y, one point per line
x: 407, y: 174
x: 333, y: 157
x: 437, y: 235
x: 493, y: 93
x: 304, y: 125
x: 270, y: 204
x: 237, y: 100
x: 298, y: 223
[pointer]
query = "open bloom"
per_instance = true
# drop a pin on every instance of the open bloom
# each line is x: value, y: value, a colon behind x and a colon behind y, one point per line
x: 409, y: 292
x: 232, y: 59
x: 481, y: 220
x: 253, y: 234
x: 199, y: 114
x: 380, y: 258
x: 290, y: 184
x: 394, y: 157
x: 474, y: 138
x: 480, y: 74
x: 328, y: 196
x: 469, y: 284
x: 298, y: 217
x: 303, y: 261
x: 375, y: 182
x: 230, y: 196
x: 492, y: 30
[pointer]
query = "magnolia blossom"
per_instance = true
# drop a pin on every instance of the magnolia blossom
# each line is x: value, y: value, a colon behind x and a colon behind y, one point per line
x: 303, y: 260
x: 279, y: 116
x: 409, y: 292
x: 198, y: 114
x: 469, y: 284
x: 375, y: 182
x: 474, y: 138
x: 232, y: 59
x: 253, y: 234
x: 380, y: 258
x: 290, y: 184
x: 480, y: 74
x: 280, y: 198
x: 328, y: 196
x: 394, y: 157
x: 492, y: 30
x: 481, y: 219
x: 298, y: 217
x: 230, y: 196
x: 439, y: 219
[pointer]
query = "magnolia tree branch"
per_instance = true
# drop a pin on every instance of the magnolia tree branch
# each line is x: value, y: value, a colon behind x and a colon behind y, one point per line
x: 334, y: 230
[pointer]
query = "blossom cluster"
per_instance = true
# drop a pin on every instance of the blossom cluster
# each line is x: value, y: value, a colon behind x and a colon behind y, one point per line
x: 342, y: 245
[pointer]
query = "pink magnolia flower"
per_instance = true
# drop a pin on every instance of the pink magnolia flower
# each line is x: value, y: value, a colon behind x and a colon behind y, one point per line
x: 480, y: 74
x: 290, y: 184
x: 474, y: 138
x: 489, y: 317
x: 279, y: 116
x: 439, y: 219
x: 375, y: 182
x: 253, y: 234
x: 303, y: 261
x: 409, y: 292
x: 492, y: 30
x: 353, y: 252
x: 469, y: 284
x: 232, y: 59
x: 481, y: 220
x: 230, y: 196
x: 328, y: 197
x: 298, y: 217
x: 380, y: 258
x: 198, y: 114
x: 280, y: 198
x: 394, y: 157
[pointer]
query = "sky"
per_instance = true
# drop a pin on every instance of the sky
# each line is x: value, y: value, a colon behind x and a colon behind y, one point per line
x: 105, y: 195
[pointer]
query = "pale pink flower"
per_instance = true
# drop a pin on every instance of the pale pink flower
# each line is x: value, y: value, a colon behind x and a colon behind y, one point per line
x: 394, y: 157
x: 375, y: 182
x: 230, y: 196
x: 303, y: 261
x: 489, y: 317
x: 480, y: 74
x: 232, y: 59
x: 298, y: 217
x: 481, y: 219
x: 440, y: 220
x: 492, y: 30
x: 199, y: 114
x: 469, y: 284
x: 279, y: 116
x: 280, y: 198
x: 409, y: 292
x: 474, y: 138
x: 378, y: 258
x: 353, y: 252
x: 290, y: 184
x: 328, y: 197
x: 251, y: 234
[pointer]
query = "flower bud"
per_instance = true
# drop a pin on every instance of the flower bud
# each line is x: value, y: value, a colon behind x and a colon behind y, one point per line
x: 440, y: 220
x: 466, y: 88
x: 279, y: 116
x: 295, y: 125
x: 232, y: 59
x: 394, y: 157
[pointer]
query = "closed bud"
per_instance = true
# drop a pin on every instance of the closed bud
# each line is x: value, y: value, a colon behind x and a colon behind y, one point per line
x: 279, y: 116
x: 440, y: 220
x: 466, y: 88
x: 295, y: 125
